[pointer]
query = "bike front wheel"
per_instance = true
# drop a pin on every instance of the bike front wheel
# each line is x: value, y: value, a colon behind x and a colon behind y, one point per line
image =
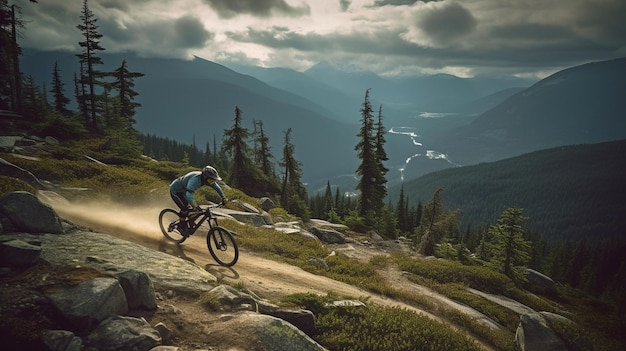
x: 222, y: 246
x: 170, y: 224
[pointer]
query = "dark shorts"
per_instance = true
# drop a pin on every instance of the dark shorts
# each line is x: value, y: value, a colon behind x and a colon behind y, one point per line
x: 180, y: 199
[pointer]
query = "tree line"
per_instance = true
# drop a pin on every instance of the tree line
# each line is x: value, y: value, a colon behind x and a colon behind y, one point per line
x: 105, y: 100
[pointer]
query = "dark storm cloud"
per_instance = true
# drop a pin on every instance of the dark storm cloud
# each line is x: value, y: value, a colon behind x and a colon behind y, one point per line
x: 167, y: 38
x: 257, y: 8
x: 383, y: 42
x: 190, y: 33
x: 446, y: 23
x: 605, y: 21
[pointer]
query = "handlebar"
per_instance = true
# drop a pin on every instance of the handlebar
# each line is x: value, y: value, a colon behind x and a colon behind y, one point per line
x: 204, y: 208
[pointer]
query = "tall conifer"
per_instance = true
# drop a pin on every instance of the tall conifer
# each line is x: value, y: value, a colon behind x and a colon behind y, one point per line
x: 293, y: 192
x: 60, y: 100
x: 369, y: 202
x: 88, y: 59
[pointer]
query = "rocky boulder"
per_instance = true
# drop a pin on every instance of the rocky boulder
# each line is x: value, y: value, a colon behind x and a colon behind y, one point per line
x: 27, y: 214
x: 535, y: 333
x: 329, y: 236
x: 123, y: 333
x: 266, y: 203
x: 90, y: 302
x: 539, y: 282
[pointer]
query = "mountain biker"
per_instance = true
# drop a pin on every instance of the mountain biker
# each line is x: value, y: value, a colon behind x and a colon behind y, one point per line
x: 182, y: 189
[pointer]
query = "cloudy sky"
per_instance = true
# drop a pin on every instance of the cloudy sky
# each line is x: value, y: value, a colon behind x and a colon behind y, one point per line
x: 530, y: 38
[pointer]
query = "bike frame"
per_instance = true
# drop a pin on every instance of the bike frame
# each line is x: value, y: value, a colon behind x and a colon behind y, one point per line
x: 204, y: 215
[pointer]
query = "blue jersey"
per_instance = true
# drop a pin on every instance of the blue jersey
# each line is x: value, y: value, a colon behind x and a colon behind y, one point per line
x: 191, y: 182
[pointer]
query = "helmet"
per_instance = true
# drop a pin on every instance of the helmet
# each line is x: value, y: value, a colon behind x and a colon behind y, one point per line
x: 209, y: 172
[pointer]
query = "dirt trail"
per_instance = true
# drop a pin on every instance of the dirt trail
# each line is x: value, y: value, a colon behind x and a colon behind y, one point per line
x: 266, y: 278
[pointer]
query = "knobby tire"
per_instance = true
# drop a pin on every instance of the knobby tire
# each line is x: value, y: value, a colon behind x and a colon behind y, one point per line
x: 169, y: 222
x: 222, y: 246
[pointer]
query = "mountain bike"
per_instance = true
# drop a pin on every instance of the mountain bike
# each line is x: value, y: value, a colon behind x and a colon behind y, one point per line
x: 221, y: 242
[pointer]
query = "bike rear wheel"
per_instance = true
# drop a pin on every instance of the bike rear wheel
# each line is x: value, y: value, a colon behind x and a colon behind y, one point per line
x: 170, y: 224
x: 222, y: 246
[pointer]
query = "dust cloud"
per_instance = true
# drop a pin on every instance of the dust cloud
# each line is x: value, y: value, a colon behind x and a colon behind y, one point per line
x: 110, y: 217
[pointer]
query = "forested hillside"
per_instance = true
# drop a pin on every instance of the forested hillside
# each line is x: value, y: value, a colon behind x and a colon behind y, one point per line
x: 569, y: 192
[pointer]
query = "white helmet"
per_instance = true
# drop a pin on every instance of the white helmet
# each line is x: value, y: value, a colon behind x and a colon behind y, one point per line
x: 209, y: 172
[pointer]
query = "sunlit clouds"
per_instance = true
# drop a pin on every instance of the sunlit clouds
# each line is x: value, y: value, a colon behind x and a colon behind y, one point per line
x: 529, y: 38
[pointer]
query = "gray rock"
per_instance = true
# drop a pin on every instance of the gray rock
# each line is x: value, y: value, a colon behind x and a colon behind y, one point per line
x: 246, y: 207
x: 62, y: 340
x: 534, y: 334
x: 276, y: 334
x: 165, y: 332
x: 539, y: 281
x: 232, y: 298
x: 19, y: 253
x: 138, y: 289
x: 304, y: 320
x: 90, y: 302
x: 123, y: 333
x: 29, y: 214
x: 329, y: 236
x: 25, y: 142
x: 266, y: 204
x: 114, y: 255
x: 256, y: 219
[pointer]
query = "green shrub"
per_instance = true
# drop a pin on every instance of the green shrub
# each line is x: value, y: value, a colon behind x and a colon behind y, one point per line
x: 312, y: 302
x: 130, y: 186
x: 10, y: 184
x: 387, y: 328
x: 292, y: 248
x: 279, y: 214
x: 444, y: 271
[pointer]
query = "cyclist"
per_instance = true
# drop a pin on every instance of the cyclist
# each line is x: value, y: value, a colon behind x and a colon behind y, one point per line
x: 182, y: 189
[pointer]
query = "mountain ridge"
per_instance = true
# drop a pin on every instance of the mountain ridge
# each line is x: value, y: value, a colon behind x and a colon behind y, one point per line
x: 194, y: 101
x: 582, y: 104
x: 567, y: 192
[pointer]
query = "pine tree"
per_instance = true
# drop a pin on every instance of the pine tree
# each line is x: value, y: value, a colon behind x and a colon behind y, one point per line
x: 7, y: 94
x: 372, y: 191
x: 60, y: 100
x: 90, y: 77
x: 401, y: 213
x: 509, y: 249
x: 263, y: 155
x: 339, y: 203
x: 418, y: 214
x: 437, y: 224
x: 293, y: 192
x: 244, y: 174
x: 34, y: 107
x: 124, y: 82
x: 235, y: 144
x: 11, y: 92
x: 327, y: 202
x: 381, y: 157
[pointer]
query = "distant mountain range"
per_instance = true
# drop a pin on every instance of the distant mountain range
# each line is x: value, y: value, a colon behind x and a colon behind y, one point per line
x: 583, y: 104
x: 469, y: 120
x: 568, y: 192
